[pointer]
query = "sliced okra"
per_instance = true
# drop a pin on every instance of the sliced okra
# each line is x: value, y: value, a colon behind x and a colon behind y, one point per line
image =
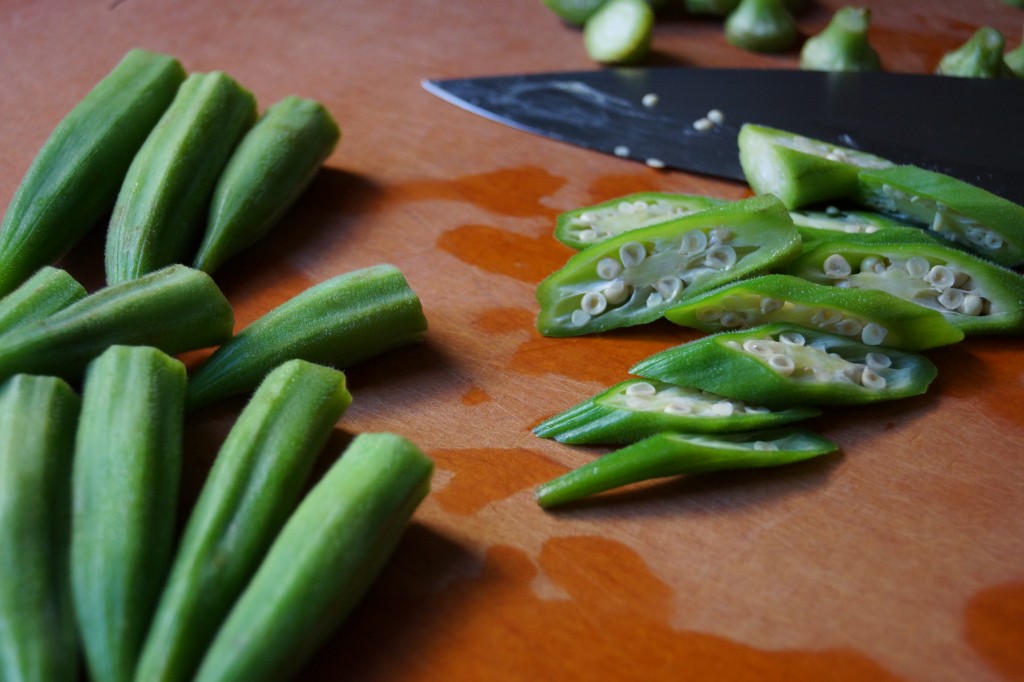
x: 980, y: 57
x: 781, y: 364
x: 974, y: 294
x: 633, y: 278
x: 833, y: 223
x: 619, y: 32
x: 590, y: 225
x: 874, y: 317
x: 843, y: 44
x: 964, y: 214
x: 761, y: 26
x: 1014, y: 59
x: 41, y: 295
x: 798, y: 169
x: 675, y: 454
x: 638, y: 408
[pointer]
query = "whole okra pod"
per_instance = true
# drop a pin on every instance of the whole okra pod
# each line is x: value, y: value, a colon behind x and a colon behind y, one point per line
x: 254, y: 485
x: 42, y: 294
x: 38, y: 416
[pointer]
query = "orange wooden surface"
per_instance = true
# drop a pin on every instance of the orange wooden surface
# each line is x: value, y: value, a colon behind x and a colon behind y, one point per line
x: 900, y: 558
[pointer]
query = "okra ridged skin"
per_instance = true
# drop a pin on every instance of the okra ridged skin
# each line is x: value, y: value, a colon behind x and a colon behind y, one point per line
x: 843, y: 45
x: 272, y: 165
x: 44, y: 293
x: 127, y: 468
x: 255, y: 483
x: 38, y: 417
x: 74, y: 180
x: 174, y: 309
x: 163, y: 203
x: 339, y: 322
x: 326, y: 556
x: 674, y: 454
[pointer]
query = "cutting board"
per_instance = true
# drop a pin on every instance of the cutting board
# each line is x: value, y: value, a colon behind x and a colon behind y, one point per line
x: 899, y: 558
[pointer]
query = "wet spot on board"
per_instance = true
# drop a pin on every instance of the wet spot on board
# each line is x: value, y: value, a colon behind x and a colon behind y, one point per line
x: 995, y: 628
x: 516, y: 192
x: 527, y: 259
x: 475, y: 396
x: 504, y: 320
x: 485, y: 475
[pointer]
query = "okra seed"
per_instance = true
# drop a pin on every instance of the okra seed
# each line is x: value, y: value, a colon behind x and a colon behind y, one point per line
x: 617, y: 292
x: 877, y: 361
x: 770, y: 305
x: 783, y: 364
x: 871, y: 379
x: 872, y: 264
x: 621, y: 150
x: 709, y: 314
x: 723, y: 408
x: 716, y: 116
x: 641, y: 388
x: 721, y: 235
x: 833, y: 211
x: 836, y: 266
x: 694, y: 242
x: 756, y: 410
x: 972, y: 305
x: 678, y: 407
x: 632, y: 254
x: 917, y: 266
x: 733, y: 345
x: 587, y: 235
x: 720, y: 256
x: 757, y: 347
x: 669, y: 287
x: 626, y: 207
x: 655, y: 163
x: 703, y: 124
x: 580, y: 318
x: 849, y: 327
x: 873, y: 334
x: 608, y: 268
x: 587, y: 218
x: 649, y: 100
x: 993, y: 241
x: 951, y: 298
x: 730, y: 319
x: 641, y: 205
x: 792, y: 338
x: 593, y: 303
x: 654, y: 300
x: 824, y: 317
x: 637, y: 402
x: 940, y: 277
x: 764, y: 445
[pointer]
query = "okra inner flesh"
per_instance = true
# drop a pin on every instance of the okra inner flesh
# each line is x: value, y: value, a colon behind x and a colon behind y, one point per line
x: 598, y: 223
x: 651, y: 396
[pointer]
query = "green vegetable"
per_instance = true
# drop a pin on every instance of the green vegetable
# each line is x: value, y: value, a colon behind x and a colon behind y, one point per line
x: 1015, y: 3
x: 832, y: 224
x: 718, y: 8
x: 635, y: 409
x: 340, y: 322
x: 125, y: 490
x: 975, y: 295
x: 980, y: 57
x: 324, y: 559
x: 174, y: 309
x: 619, y: 32
x: 43, y: 294
x: 591, y: 225
x: 575, y: 12
x: 969, y: 216
x: 761, y: 26
x: 254, y: 485
x: 780, y: 365
x: 272, y: 165
x: 1014, y: 59
x: 158, y: 218
x: 873, y: 317
x: 843, y: 45
x: 633, y: 278
x: 73, y: 181
x: 38, y: 416
x: 800, y: 170
x: 674, y: 454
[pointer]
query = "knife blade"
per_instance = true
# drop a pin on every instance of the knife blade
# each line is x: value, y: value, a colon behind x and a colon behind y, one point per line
x: 970, y: 128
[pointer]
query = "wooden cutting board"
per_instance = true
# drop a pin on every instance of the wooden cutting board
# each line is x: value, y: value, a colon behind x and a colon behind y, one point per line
x: 899, y: 558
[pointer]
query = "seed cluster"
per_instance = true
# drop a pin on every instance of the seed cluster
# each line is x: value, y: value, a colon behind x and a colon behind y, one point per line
x: 644, y: 396
x: 600, y: 223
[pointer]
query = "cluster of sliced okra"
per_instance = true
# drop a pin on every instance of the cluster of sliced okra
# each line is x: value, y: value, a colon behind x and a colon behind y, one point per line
x: 805, y: 305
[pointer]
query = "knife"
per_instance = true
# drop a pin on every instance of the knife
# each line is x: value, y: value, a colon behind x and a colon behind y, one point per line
x: 970, y: 128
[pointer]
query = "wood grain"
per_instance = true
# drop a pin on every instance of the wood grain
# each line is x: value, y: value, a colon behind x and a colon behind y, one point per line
x: 900, y: 558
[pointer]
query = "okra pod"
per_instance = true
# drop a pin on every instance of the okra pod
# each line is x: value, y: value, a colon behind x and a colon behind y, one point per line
x: 619, y: 32
x: 633, y: 278
x: 675, y: 454
x: 590, y: 225
x: 717, y: 8
x: 843, y: 44
x: 174, y: 309
x: 638, y: 408
x: 780, y: 365
x: 273, y: 164
x: 38, y: 416
x: 980, y: 57
x: 42, y: 294
x: 832, y: 224
x: 575, y: 12
x: 125, y: 488
x: 326, y: 556
x: 340, y: 322
x: 73, y: 181
x: 761, y: 26
x: 874, y: 317
x: 163, y: 203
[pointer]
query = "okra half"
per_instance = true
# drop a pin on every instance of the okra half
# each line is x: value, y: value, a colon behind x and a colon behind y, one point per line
x: 125, y: 489
x: 780, y: 365
x: 633, y: 278
x: 339, y: 322
x: 326, y: 556
x: 874, y: 317
x: 834, y: 224
x: 163, y: 203
x: 174, y: 309
x: 42, y: 294
x: 253, y: 487
x: 675, y: 454
x: 74, y: 180
x: 638, y: 408
x: 843, y: 44
x: 38, y: 416
x: 273, y: 164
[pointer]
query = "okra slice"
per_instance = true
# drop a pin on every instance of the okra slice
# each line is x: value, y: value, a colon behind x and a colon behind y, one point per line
x: 175, y: 309
x: 781, y: 364
x: 638, y: 408
x: 273, y: 164
x: 717, y: 8
x: 73, y: 182
x: 255, y: 483
x: 1014, y: 58
x: 42, y: 294
x: 619, y: 32
x: 590, y: 225
x: 843, y: 44
x: 339, y: 322
x: 676, y: 454
x: 761, y: 26
x: 38, y: 416
x: 633, y: 278
x: 873, y: 317
x: 980, y: 57
x: 326, y: 556
x: 964, y: 214
x: 575, y: 12
x: 163, y: 203
x: 125, y: 489
x: 833, y: 224
x: 974, y: 294
x: 800, y: 170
